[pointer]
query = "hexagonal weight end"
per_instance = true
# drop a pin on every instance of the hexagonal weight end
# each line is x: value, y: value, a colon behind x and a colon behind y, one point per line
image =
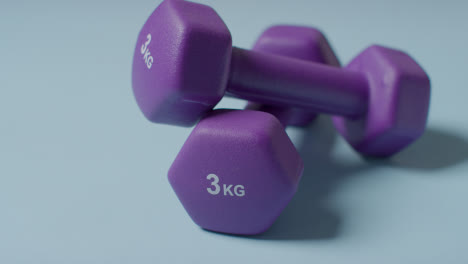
x: 181, y: 62
x: 304, y: 43
x: 399, y: 96
x: 236, y: 172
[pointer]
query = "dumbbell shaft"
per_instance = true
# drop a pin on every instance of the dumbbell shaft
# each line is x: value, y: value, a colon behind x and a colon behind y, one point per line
x: 319, y: 88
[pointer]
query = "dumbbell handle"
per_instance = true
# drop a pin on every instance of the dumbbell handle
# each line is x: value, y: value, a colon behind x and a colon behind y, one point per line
x: 262, y: 77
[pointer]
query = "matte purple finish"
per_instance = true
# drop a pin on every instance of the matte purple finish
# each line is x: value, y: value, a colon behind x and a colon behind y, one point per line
x: 304, y: 43
x: 399, y: 96
x: 194, y: 64
x: 191, y: 50
x: 242, y: 148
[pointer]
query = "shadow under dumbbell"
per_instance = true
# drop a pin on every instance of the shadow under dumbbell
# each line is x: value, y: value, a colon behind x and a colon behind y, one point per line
x: 309, y: 217
x: 436, y: 149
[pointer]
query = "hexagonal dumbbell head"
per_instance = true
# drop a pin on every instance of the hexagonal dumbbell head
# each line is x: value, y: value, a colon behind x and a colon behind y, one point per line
x: 299, y: 42
x: 169, y: 81
x: 236, y: 172
x: 398, y: 103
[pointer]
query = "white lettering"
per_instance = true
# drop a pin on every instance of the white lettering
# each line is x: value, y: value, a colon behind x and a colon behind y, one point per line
x: 215, y: 188
x: 214, y: 184
x: 239, y: 190
x: 146, y: 52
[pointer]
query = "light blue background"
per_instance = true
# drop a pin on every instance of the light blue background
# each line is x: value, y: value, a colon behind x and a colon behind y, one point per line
x: 83, y: 174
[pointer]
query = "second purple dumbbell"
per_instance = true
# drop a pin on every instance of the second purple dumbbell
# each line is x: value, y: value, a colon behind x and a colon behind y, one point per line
x: 184, y: 63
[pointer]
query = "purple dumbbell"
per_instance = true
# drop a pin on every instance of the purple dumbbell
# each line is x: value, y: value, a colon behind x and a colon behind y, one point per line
x: 238, y: 169
x: 184, y: 63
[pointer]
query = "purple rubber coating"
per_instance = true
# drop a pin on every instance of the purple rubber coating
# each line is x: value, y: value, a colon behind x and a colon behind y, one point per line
x: 184, y: 63
x: 299, y: 42
x: 236, y: 172
x: 181, y: 62
x: 397, y: 107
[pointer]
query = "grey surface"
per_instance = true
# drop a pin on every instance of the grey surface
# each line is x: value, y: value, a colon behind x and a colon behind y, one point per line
x: 83, y: 175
